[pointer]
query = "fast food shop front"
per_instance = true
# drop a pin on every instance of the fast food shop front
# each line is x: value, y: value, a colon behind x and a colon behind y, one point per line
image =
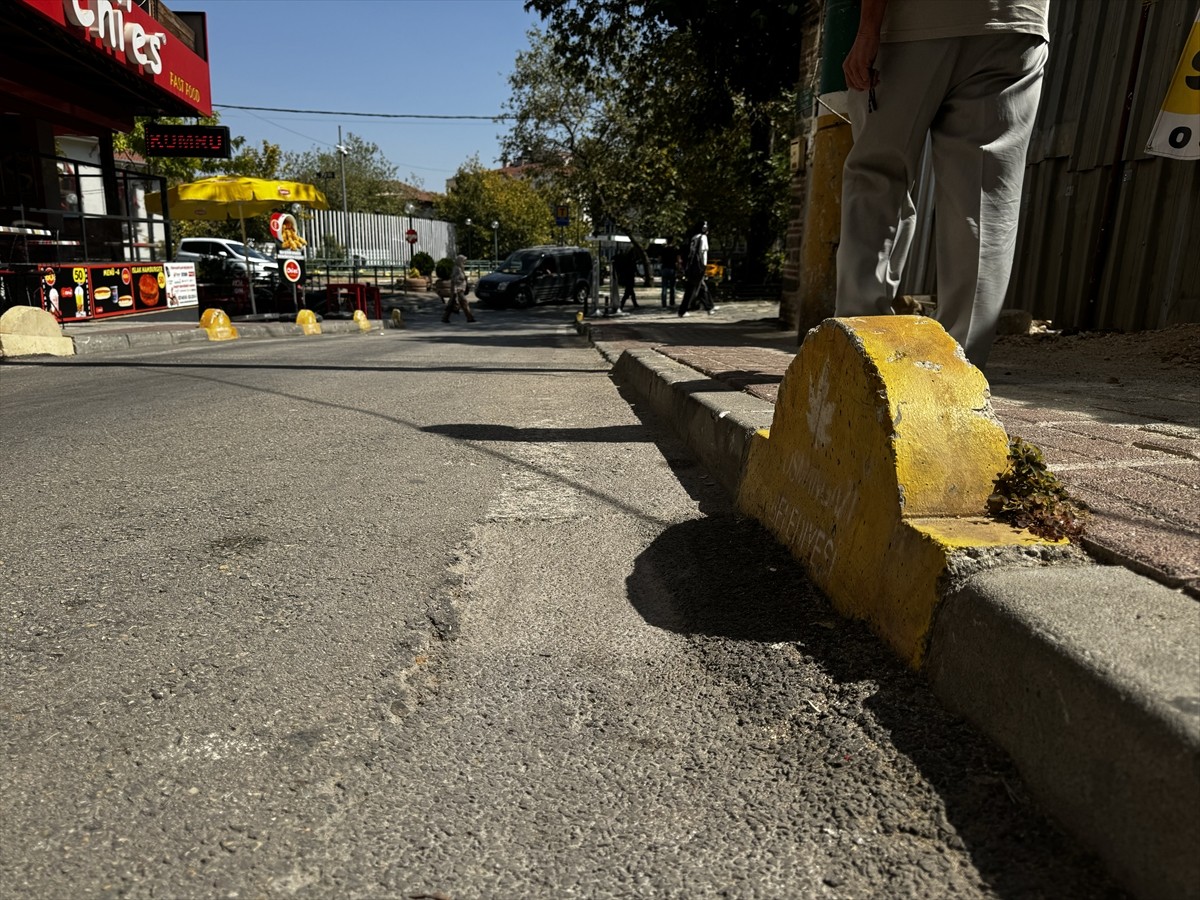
x: 75, y: 234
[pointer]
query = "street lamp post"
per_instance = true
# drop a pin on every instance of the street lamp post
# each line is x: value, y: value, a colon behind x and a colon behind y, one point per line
x: 343, y: 152
x: 495, y: 245
x: 468, y: 225
x: 408, y: 208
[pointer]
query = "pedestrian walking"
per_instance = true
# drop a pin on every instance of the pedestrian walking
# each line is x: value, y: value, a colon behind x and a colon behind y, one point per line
x: 626, y: 264
x: 459, y: 288
x: 667, y: 270
x: 968, y: 74
x: 695, y: 290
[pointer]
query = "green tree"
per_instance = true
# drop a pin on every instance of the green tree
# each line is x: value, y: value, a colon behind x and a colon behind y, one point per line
x: 522, y: 212
x: 727, y: 69
x: 371, y: 182
x: 587, y: 145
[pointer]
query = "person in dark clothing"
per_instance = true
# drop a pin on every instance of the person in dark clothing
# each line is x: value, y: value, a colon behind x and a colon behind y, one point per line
x: 626, y: 265
x: 696, y: 289
x: 669, y: 268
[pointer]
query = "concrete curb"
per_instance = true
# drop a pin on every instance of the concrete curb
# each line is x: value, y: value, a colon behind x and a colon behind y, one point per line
x: 1088, y: 676
x: 120, y: 341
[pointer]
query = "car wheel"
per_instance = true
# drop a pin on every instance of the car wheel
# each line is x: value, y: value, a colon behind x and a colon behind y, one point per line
x: 581, y: 294
x: 524, y: 299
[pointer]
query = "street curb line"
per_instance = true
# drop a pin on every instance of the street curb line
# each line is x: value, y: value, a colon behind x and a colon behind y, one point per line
x: 716, y: 422
x: 876, y: 471
x: 32, y: 331
x: 1090, y: 679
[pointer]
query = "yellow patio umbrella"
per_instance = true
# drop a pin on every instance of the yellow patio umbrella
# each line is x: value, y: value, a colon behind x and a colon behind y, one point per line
x: 225, y: 197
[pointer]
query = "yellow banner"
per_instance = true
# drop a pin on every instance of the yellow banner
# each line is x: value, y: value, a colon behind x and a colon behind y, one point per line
x: 1177, y: 131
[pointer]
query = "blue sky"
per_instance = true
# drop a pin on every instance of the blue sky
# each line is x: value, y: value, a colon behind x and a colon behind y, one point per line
x: 443, y: 57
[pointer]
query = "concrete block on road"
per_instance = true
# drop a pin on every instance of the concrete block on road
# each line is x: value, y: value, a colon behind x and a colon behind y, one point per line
x: 876, y: 471
x: 31, y: 331
x: 1090, y: 679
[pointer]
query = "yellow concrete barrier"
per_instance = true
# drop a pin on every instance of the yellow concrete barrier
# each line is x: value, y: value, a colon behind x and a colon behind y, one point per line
x: 31, y: 331
x: 360, y: 319
x: 397, y: 318
x: 216, y: 323
x: 877, y: 468
x: 307, y: 320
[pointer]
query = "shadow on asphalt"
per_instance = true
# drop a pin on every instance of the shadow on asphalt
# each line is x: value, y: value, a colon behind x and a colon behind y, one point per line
x: 724, y: 581
x: 614, y: 434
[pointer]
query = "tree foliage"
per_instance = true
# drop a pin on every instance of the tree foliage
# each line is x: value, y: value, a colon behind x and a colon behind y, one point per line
x: 371, y: 181
x: 692, y: 99
x: 522, y: 213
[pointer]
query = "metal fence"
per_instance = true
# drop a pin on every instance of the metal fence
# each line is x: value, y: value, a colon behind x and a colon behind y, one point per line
x: 376, y: 239
x: 1108, y: 234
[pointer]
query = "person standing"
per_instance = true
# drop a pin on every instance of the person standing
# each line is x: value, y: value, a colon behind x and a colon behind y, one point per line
x: 695, y: 289
x: 626, y: 264
x: 969, y: 74
x: 458, y: 290
x: 668, y: 268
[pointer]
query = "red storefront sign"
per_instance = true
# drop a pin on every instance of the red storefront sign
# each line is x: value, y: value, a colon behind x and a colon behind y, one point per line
x: 121, y: 30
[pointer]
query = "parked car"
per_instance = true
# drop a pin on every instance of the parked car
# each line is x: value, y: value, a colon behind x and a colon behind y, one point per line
x: 233, y: 253
x: 538, y: 275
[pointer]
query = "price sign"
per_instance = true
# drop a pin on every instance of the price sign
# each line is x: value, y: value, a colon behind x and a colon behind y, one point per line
x: 1177, y: 131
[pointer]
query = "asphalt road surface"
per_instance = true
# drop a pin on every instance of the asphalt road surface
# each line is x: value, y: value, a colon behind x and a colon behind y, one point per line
x: 434, y: 613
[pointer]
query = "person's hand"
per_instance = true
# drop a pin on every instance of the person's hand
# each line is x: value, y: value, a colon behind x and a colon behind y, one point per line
x: 859, y: 64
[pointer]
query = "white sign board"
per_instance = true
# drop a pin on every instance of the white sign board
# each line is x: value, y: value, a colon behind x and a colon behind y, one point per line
x: 1177, y: 131
x: 181, y: 285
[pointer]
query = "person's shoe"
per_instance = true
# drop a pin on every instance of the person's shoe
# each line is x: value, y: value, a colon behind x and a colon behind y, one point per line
x: 713, y: 311
x: 682, y: 314
x: 446, y: 319
x: 470, y: 318
x: 713, y: 308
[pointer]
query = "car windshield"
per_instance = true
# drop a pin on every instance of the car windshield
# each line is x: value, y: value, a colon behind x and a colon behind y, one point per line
x: 520, y: 263
x: 242, y: 250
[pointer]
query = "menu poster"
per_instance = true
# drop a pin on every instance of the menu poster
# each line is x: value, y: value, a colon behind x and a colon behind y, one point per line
x: 65, y: 292
x: 128, y: 288
x: 181, y: 285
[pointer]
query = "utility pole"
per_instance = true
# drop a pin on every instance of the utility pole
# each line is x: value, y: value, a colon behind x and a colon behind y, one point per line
x: 343, y: 152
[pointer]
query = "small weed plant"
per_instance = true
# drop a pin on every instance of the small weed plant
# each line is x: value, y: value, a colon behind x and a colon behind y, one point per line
x: 1028, y: 495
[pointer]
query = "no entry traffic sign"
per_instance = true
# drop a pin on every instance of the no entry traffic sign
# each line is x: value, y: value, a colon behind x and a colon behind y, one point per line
x: 411, y: 235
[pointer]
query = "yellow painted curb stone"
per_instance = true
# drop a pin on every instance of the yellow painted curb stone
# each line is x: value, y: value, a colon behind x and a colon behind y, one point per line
x: 31, y: 331
x: 216, y: 323
x: 877, y: 468
x: 360, y: 318
x: 307, y: 320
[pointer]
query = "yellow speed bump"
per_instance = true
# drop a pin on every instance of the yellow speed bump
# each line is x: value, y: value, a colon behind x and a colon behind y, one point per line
x: 360, y: 319
x: 877, y: 468
x: 216, y: 323
x: 307, y: 320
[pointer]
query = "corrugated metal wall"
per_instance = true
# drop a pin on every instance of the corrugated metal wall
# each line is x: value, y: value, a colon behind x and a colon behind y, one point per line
x: 1149, y: 276
x: 378, y: 239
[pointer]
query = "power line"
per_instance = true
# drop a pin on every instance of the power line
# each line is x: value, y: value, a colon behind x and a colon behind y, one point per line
x: 326, y: 112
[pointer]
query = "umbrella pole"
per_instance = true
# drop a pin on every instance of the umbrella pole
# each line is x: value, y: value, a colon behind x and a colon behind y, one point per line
x: 249, y: 269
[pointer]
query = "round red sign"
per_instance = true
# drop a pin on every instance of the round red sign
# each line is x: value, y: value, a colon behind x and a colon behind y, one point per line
x: 411, y: 236
x: 291, y: 270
